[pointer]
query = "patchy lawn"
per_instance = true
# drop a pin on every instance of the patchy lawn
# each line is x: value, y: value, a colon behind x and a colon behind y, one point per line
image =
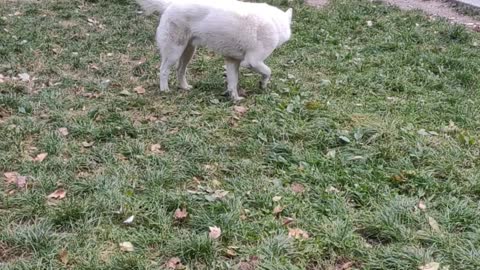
x: 364, y: 153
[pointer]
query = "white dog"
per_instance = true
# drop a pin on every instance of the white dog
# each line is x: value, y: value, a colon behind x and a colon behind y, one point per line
x: 244, y: 33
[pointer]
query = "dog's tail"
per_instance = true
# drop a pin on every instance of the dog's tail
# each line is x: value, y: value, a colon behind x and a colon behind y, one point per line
x: 150, y: 6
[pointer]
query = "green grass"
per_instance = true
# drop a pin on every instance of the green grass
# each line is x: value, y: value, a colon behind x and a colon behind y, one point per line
x: 384, y: 88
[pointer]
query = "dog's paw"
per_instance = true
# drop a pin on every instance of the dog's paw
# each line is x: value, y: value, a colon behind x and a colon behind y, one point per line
x: 185, y: 87
x: 263, y: 84
x: 242, y: 92
x: 166, y: 90
x: 237, y: 99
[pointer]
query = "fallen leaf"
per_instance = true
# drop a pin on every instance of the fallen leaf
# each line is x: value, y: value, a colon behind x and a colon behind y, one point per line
x: 451, y: 128
x: 125, y: 93
x: 297, y: 233
x: 331, y: 153
x: 129, y: 220
x: 430, y: 266
x: 63, y: 131
x: 240, y: 110
x: 174, y: 263
x: 63, y: 256
x: 24, y: 77
x: 215, y: 232
x: 353, y: 158
x: 58, y: 194
x: 87, y: 144
x: 156, y: 149
x: 181, y: 214
x: 276, y: 198
x: 126, y: 246
x: 422, y: 206
x: 332, y: 190
x: 21, y: 181
x: 399, y: 178
x: 40, y: 157
x: 344, y: 266
x: 344, y: 139
x: 277, y: 210
x: 216, y: 183
x: 251, y: 264
x: 139, y: 90
x: 11, y: 177
x: 423, y: 132
x: 230, y: 253
x: 173, y: 131
x: 288, y: 220
x: 297, y: 188
x: 217, y: 195
x: 433, y: 224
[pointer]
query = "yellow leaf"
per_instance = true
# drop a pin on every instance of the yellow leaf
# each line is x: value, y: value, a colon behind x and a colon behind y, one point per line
x: 126, y: 246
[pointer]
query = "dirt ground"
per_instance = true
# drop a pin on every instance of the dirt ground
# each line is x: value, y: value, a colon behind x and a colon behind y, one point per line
x: 431, y: 7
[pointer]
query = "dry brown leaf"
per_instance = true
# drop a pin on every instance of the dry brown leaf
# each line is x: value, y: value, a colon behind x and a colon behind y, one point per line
x: 63, y: 256
x: 277, y: 210
x: 216, y: 183
x: 399, y: 178
x: 215, y: 232
x: 174, y: 263
x: 220, y: 194
x: 21, y: 181
x: 126, y: 246
x: 251, y: 264
x: 433, y: 224
x: 422, y: 206
x: 240, y: 110
x: 58, y: 194
x: 230, y: 253
x: 288, y: 220
x: 14, y: 178
x: 297, y: 188
x: 430, y: 266
x: 276, y: 198
x: 297, y: 233
x: 156, y: 149
x: 40, y: 157
x: 181, y: 214
x: 344, y: 266
x: 173, y: 131
x: 11, y: 177
x: 63, y: 131
x: 87, y: 144
x: 139, y: 90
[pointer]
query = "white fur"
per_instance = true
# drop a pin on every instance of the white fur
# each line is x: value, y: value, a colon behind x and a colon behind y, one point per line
x: 244, y: 33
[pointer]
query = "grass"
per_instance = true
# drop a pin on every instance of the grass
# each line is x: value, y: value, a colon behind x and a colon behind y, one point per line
x: 357, y: 115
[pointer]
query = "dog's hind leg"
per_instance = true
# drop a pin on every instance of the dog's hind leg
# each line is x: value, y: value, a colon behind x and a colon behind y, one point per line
x: 170, y: 56
x: 258, y: 66
x: 182, y: 67
x: 265, y: 71
x: 233, y: 66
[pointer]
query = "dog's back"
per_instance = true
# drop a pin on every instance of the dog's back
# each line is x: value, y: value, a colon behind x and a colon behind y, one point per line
x: 245, y: 33
x: 228, y: 27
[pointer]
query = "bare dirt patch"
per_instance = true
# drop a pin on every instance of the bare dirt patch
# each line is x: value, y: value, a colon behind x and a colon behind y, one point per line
x: 317, y: 3
x: 436, y: 8
x: 431, y: 7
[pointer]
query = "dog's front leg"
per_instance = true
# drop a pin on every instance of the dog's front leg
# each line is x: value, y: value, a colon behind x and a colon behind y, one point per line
x: 232, y: 78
